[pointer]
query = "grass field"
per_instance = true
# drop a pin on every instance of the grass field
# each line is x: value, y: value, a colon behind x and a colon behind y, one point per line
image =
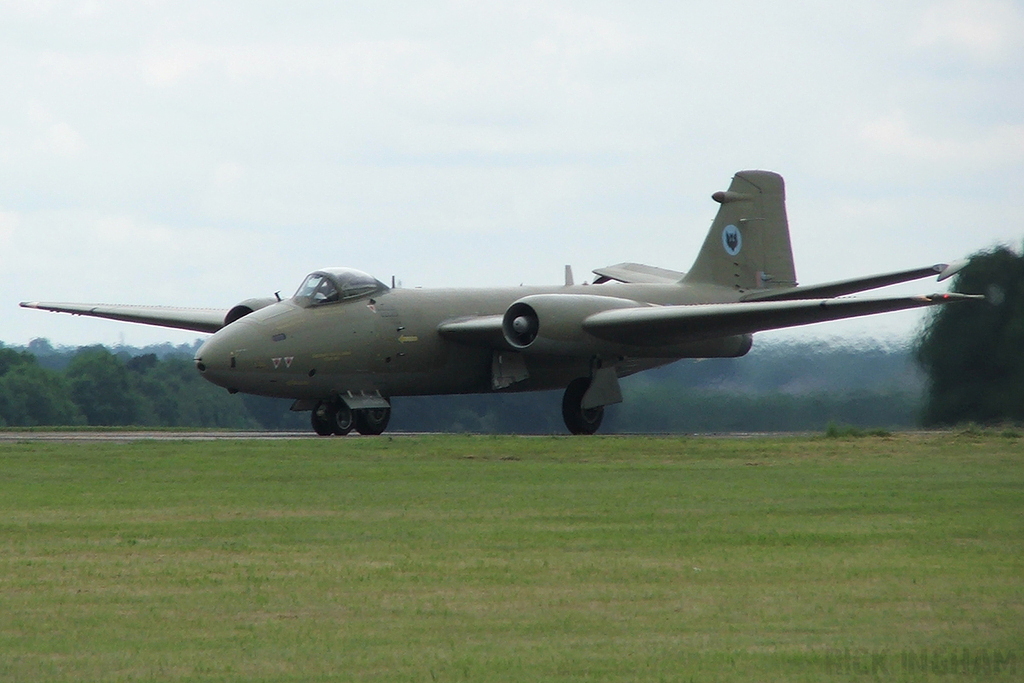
x: 514, y: 559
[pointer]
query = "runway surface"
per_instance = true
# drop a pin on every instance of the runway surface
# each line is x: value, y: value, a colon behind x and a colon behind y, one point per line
x: 126, y: 436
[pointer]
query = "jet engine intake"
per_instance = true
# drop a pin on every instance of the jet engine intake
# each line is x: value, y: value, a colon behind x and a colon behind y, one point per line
x: 246, y: 307
x: 553, y: 323
x: 520, y: 325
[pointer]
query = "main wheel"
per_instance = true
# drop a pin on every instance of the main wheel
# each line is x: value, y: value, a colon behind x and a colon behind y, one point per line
x: 322, y: 419
x: 578, y: 420
x: 344, y: 420
x: 372, y: 421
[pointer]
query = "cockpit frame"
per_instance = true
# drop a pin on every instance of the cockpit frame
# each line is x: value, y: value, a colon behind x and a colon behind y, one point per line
x: 336, y: 285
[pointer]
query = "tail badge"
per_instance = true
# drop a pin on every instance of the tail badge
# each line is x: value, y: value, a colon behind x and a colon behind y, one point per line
x: 732, y: 240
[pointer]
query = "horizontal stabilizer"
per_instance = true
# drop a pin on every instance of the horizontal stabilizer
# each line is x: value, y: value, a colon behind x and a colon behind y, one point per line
x: 860, y: 284
x: 660, y: 325
x: 194, y: 319
x: 637, y: 273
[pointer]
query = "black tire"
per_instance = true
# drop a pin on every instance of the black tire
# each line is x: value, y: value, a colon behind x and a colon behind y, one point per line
x: 578, y: 420
x: 322, y: 419
x: 372, y: 421
x: 344, y: 420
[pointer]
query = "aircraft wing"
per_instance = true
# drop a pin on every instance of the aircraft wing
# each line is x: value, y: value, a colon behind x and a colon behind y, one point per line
x: 195, y: 319
x: 655, y: 325
x: 860, y: 284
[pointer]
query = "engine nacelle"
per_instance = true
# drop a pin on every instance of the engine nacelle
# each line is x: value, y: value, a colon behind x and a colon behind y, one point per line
x: 553, y: 323
x: 248, y: 306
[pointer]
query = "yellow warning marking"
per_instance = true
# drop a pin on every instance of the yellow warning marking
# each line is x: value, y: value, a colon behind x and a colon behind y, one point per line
x: 407, y: 339
x: 331, y: 356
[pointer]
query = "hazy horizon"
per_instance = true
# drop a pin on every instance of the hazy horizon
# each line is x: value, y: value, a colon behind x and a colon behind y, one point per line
x: 198, y: 154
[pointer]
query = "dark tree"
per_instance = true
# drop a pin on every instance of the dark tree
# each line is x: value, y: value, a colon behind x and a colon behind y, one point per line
x: 180, y: 397
x: 31, y: 395
x: 974, y: 352
x: 102, y: 387
x: 272, y: 413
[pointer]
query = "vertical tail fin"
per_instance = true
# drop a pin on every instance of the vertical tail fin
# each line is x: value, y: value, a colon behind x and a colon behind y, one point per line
x: 748, y: 246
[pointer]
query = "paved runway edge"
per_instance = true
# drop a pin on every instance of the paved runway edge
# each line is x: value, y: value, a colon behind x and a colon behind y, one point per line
x: 126, y: 436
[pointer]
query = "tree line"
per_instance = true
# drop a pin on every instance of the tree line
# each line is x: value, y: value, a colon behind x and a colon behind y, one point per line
x: 99, y: 387
x: 776, y: 388
x: 967, y: 365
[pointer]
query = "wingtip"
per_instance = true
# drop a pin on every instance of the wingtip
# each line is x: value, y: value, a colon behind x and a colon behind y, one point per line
x: 947, y: 271
x: 949, y: 297
x: 29, y: 304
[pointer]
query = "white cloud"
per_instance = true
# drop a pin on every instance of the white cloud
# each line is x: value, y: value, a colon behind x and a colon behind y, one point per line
x: 167, y: 65
x: 210, y: 150
x: 996, y: 145
x: 53, y: 136
x: 227, y: 173
x: 64, y: 140
x: 8, y: 224
x: 370, y: 62
x: 986, y: 30
x: 30, y: 8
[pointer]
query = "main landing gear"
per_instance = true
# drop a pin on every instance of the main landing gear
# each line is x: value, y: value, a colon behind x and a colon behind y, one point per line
x: 372, y: 421
x: 578, y: 419
x: 330, y: 417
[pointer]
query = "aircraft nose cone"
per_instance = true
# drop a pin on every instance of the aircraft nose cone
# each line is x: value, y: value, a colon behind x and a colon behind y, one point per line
x: 214, y: 359
x: 198, y: 359
x: 206, y: 356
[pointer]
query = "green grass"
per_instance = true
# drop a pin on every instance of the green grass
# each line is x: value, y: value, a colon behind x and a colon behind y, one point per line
x: 510, y: 559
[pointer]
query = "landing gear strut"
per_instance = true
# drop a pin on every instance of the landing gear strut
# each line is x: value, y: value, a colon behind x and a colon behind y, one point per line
x: 578, y: 419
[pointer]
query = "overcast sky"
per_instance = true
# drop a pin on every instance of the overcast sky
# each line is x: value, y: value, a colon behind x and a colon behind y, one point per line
x: 200, y: 153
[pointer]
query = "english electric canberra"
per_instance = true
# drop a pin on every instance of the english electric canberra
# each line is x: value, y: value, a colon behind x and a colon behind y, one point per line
x: 346, y: 343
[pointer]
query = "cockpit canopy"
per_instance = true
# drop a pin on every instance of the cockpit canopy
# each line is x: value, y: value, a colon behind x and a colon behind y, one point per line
x: 331, y: 285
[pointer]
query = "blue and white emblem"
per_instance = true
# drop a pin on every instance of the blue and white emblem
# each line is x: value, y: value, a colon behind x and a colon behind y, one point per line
x: 732, y: 240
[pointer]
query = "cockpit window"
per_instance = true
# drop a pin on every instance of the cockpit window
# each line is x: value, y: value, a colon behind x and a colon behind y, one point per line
x: 336, y: 284
x: 309, y: 286
x: 325, y: 292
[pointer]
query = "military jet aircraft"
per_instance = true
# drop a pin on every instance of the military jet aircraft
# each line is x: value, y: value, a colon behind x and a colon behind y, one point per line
x: 346, y: 343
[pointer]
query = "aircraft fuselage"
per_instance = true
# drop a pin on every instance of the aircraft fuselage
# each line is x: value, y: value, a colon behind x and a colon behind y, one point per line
x: 389, y: 343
